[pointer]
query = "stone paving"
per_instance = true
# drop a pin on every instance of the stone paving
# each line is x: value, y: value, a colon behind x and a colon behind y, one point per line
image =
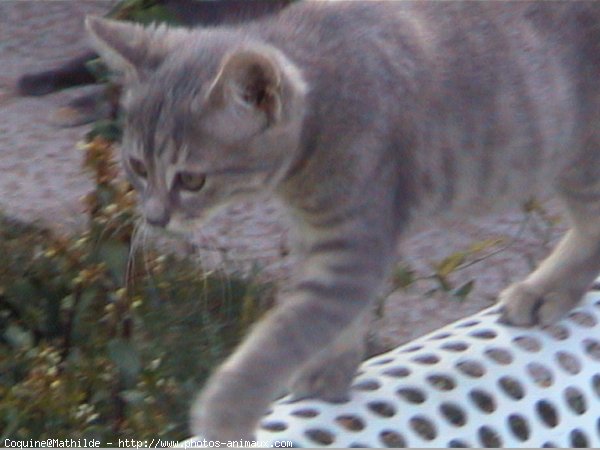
x: 41, y: 179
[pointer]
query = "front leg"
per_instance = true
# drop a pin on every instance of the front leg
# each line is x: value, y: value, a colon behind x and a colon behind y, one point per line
x: 329, y: 374
x: 339, y: 278
x: 562, y: 279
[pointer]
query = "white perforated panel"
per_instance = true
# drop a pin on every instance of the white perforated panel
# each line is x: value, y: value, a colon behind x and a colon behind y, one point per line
x: 475, y: 383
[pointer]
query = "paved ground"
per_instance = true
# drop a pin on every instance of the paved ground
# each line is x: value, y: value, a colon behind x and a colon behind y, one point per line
x: 40, y: 178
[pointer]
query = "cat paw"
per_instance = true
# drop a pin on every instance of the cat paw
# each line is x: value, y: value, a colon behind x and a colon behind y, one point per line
x: 221, y: 415
x: 523, y: 306
x: 220, y: 423
x: 328, y: 381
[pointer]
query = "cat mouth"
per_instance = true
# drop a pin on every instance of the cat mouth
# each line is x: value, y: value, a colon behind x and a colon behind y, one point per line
x: 174, y: 229
x: 179, y: 225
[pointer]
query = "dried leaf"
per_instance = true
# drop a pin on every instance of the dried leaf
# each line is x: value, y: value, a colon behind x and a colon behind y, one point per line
x: 444, y: 283
x: 463, y: 291
x: 532, y: 205
x: 449, y: 264
x: 485, y: 244
x: 403, y: 277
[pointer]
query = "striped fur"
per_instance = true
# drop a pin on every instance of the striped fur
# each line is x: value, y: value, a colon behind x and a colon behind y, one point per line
x: 363, y: 117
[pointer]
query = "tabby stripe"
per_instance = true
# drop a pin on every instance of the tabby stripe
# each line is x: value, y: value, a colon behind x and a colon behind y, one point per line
x: 345, y: 291
x: 333, y: 245
x: 304, y: 158
x: 329, y: 221
x: 586, y: 195
x: 354, y: 268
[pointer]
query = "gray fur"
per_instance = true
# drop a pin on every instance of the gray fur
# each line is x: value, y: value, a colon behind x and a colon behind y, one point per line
x: 362, y: 117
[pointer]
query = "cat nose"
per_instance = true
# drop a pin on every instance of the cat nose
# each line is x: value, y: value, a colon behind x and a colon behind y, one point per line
x: 156, y: 213
x: 161, y: 222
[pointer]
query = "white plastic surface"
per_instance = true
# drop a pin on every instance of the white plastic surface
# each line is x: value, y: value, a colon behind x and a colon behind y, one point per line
x: 475, y: 383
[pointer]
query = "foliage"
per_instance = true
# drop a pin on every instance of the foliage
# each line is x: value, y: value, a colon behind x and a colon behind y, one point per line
x: 536, y: 217
x: 93, y: 345
x: 142, y: 11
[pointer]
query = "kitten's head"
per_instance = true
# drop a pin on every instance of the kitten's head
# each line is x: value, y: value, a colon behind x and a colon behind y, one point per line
x: 210, y: 116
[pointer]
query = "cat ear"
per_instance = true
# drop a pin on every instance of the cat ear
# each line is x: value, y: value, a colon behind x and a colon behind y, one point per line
x: 251, y: 79
x: 127, y: 48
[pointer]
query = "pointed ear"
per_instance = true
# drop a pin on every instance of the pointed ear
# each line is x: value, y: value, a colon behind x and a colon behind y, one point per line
x: 251, y: 79
x: 126, y: 48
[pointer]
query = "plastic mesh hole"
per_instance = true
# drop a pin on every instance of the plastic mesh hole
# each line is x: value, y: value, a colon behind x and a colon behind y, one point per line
x: 274, y: 426
x: 428, y: 360
x: 512, y: 387
x: 439, y: 336
x: 583, y: 319
x: 382, y: 409
x: 549, y: 445
x: 527, y: 343
x: 305, y: 413
x: 441, y: 382
x: 367, y: 385
x: 468, y: 324
x: 381, y: 362
x: 423, y: 427
x: 412, y: 349
x: 412, y: 395
x: 358, y: 445
x: 592, y: 348
x: 397, y: 372
x: 471, y: 368
x: 578, y: 439
x: 541, y: 375
x: 499, y: 355
x: 576, y: 400
x: 392, y: 439
x: 568, y: 362
x: 547, y: 413
x: 558, y: 332
x: 457, y: 443
x: 456, y: 346
x: 320, y: 436
x: 453, y: 413
x: 519, y: 427
x: 484, y: 334
x: 596, y: 384
x: 350, y: 422
x: 483, y: 400
x: 489, y: 437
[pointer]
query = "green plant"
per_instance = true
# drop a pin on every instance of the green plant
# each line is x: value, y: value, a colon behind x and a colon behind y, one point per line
x: 95, y: 346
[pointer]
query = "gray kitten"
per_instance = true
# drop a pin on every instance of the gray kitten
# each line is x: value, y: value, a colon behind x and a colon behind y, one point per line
x: 362, y: 116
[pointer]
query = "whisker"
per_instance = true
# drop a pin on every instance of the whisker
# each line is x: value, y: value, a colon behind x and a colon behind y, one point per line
x: 131, y: 257
x: 221, y: 268
x: 108, y: 233
x: 147, y: 269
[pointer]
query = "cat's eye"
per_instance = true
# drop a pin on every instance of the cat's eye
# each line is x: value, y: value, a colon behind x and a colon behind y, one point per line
x: 190, y: 181
x: 138, y: 167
